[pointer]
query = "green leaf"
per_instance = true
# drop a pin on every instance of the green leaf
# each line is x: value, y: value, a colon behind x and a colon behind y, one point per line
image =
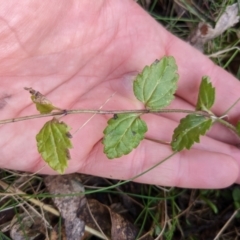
x: 123, y: 133
x: 210, y: 203
x: 236, y: 194
x: 206, y: 95
x: 53, y: 144
x: 43, y: 105
x: 238, y: 128
x: 189, y: 130
x: 157, y: 83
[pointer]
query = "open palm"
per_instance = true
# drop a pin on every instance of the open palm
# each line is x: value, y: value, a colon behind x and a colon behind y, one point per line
x: 80, y: 54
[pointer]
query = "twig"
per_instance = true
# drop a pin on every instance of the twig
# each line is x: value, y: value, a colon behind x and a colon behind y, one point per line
x: 226, y: 224
x: 96, y: 223
x: 102, y: 112
x: 112, y: 112
x: 216, y: 54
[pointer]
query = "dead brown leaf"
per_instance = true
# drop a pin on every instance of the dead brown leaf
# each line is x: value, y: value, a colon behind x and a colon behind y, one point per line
x: 26, y: 226
x: 121, y: 228
x: 98, y: 218
x: 69, y: 205
x: 205, y: 32
x: 111, y: 223
x: 57, y: 233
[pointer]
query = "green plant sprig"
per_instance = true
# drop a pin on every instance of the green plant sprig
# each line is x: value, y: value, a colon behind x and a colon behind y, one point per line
x: 155, y: 87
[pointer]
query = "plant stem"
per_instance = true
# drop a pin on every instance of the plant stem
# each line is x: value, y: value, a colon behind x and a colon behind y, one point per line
x: 227, y: 124
x: 133, y: 178
x: 81, y: 111
x: 103, y: 112
x: 226, y: 112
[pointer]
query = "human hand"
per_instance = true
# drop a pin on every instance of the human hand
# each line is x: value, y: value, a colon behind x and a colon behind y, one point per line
x: 78, y: 53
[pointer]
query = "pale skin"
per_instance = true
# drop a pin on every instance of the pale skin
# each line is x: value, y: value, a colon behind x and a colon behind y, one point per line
x: 80, y: 53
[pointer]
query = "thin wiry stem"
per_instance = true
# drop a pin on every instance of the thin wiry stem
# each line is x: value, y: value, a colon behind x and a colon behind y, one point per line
x: 90, y: 111
x: 112, y: 112
x: 230, y: 108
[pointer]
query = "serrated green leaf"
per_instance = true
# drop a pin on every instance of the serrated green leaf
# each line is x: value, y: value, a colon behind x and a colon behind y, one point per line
x: 43, y: 105
x: 123, y: 133
x: 156, y: 84
x: 53, y: 144
x: 206, y: 95
x: 189, y: 131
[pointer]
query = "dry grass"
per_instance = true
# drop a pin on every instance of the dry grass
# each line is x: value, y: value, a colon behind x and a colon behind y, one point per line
x: 157, y: 213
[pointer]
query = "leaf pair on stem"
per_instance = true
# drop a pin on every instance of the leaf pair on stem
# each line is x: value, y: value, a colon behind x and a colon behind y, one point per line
x: 155, y: 87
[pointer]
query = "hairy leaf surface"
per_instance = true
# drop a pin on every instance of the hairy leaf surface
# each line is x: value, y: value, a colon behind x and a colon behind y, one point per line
x: 189, y: 131
x: 53, y: 144
x: 206, y: 95
x: 43, y: 105
x: 123, y: 133
x: 156, y: 84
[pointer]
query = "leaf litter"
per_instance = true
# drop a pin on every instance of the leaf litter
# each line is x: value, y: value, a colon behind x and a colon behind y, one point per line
x: 80, y: 211
x: 68, y: 205
x: 205, y: 32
